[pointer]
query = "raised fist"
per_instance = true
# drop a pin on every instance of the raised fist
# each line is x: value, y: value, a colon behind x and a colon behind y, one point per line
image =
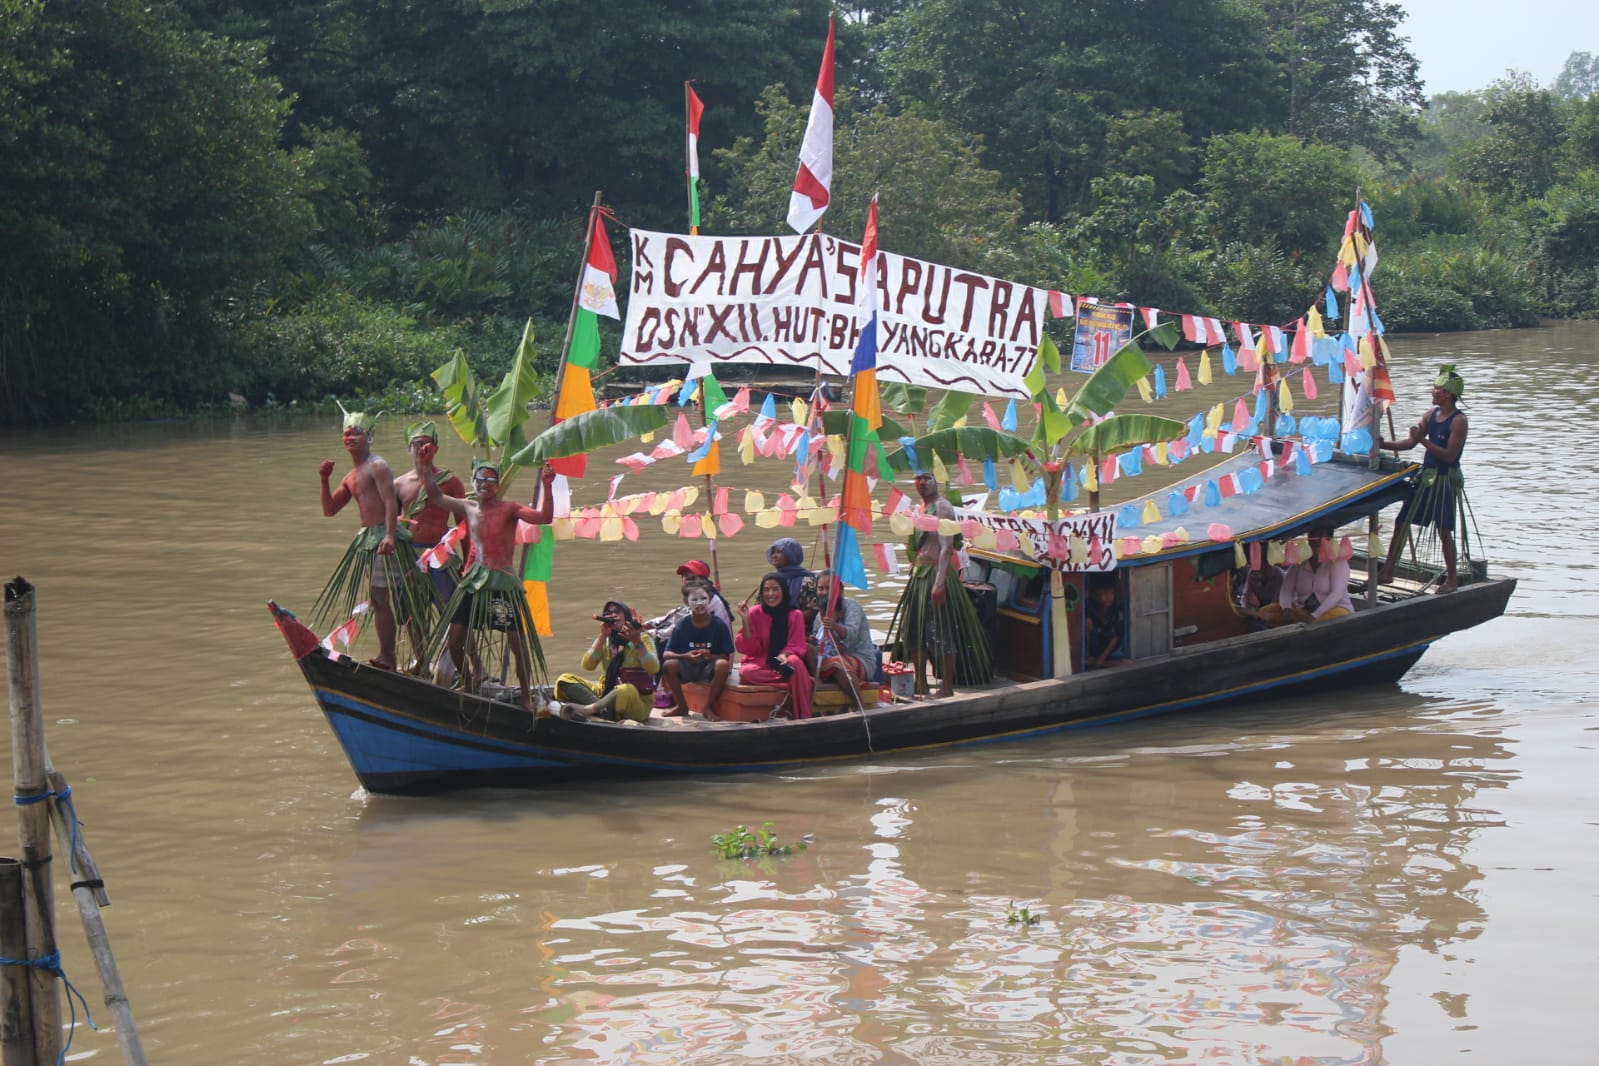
x: 326, y: 469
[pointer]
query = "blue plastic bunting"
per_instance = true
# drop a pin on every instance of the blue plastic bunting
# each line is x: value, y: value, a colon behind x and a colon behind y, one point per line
x: 1160, y: 382
x: 1262, y: 405
x: 1285, y: 424
x: 990, y: 475
x: 1302, y: 462
x: 1129, y: 517
x: 1068, y: 486
x: 1008, y: 423
x: 1176, y: 504
x: 848, y: 563
x: 1229, y: 359
x: 1332, y: 305
x: 1335, y: 369
x: 1212, y: 493
x: 769, y: 408
x: 1365, y: 215
x: 710, y: 438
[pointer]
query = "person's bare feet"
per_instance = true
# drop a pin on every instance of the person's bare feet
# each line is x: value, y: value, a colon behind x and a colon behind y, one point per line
x: 674, y: 711
x: 943, y: 694
x: 1447, y: 586
x: 381, y: 664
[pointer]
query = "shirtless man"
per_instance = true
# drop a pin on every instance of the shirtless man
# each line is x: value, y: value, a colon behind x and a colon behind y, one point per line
x: 428, y: 521
x: 380, y: 558
x: 491, y: 523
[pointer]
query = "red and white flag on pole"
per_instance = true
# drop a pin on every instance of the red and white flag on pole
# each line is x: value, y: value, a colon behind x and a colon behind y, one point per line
x: 810, y: 197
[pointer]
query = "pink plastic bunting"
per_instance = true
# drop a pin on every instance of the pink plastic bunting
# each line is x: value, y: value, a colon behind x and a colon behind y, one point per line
x: 1184, y: 382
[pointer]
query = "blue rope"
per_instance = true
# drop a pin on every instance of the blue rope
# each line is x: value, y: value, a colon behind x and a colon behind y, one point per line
x: 51, y: 964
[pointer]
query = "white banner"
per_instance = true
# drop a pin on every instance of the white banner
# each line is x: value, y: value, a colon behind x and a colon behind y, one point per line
x: 1052, y: 544
x: 787, y: 301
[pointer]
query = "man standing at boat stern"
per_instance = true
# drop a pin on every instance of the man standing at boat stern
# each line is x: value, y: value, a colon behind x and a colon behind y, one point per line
x: 1439, y: 491
x: 380, y: 560
x: 935, y: 618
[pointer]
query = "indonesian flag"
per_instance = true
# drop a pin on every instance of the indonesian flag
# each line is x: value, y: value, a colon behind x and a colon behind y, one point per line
x: 810, y: 197
x: 695, y: 110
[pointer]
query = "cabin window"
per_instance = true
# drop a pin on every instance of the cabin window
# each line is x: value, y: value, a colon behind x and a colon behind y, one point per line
x: 1029, y: 592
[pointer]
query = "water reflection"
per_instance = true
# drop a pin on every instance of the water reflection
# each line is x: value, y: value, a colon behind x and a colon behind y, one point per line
x: 1239, y: 894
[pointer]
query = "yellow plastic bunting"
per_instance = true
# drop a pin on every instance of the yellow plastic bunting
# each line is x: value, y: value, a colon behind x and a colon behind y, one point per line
x: 1285, y: 398
x: 1204, y: 367
x: 1151, y: 512
x: 1018, y: 476
x: 900, y: 523
x: 1144, y: 391
x: 1274, y: 552
x: 1313, y: 320
x: 799, y: 410
x: 1240, y: 560
x: 940, y: 473
x: 754, y: 502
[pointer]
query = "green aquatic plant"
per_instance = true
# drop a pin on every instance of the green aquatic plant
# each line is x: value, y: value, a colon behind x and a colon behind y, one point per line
x: 1022, y: 917
x: 744, y: 843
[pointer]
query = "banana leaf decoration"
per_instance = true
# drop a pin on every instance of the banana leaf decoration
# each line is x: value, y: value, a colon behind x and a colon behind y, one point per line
x: 836, y: 424
x: 505, y: 411
x: 978, y: 443
x: 595, y: 429
x: 898, y: 396
x: 951, y: 409
x: 463, y: 401
x: 1124, y: 432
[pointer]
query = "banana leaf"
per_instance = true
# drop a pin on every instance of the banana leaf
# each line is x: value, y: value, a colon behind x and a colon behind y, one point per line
x: 463, y: 401
x: 1125, y: 431
x: 593, y: 429
x: 951, y: 409
x: 1166, y: 335
x: 1107, y: 385
x: 975, y: 443
x: 907, y: 399
x: 506, y: 408
x: 836, y: 424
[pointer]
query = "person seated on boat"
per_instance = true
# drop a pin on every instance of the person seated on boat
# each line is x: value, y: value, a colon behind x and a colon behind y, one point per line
x: 787, y: 559
x: 699, y: 649
x: 1435, y: 495
x: 1259, y: 588
x: 935, y: 618
x: 1314, y: 589
x: 490, y: 594
x: 380, y: 560
x: 694, y: 570
x: 841, y: 648
x: 771, y: 640
x: 1103, y: 625
x: 632, y: 669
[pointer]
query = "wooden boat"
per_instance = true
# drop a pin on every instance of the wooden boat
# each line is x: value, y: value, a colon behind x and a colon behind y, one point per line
x: 1190, y: 650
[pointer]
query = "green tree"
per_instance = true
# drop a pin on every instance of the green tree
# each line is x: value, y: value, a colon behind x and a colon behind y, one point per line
x: 1579, y: 78
x: 1262, y: 189
x: 936, y: 199
x: 1350, y: 76
x: 1520, y: 158
x: 1043, y: 81
x: 144, y: 190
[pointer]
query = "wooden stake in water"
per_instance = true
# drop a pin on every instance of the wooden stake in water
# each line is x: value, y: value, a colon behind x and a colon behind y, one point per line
x: 33, y: 816
x: 16, y: 1014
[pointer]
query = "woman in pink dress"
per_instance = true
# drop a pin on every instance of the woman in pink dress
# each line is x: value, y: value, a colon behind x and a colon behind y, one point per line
x: 771, y: 639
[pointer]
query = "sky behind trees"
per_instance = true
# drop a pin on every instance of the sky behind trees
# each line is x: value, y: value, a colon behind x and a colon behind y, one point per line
x: 1468, y: 44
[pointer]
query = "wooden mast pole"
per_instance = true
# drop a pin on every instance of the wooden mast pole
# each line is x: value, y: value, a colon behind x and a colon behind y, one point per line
x: 705, y: 415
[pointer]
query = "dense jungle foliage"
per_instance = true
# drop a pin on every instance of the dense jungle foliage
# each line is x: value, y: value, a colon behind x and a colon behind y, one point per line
x: 271, y: 202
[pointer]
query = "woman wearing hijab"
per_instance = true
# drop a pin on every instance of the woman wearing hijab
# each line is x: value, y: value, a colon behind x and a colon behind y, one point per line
x: 632, y: 667
x: 771, y: 638
x: 787, y: 560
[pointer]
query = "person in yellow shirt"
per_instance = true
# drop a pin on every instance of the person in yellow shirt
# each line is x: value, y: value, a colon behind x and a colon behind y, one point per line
x: 632, y: 668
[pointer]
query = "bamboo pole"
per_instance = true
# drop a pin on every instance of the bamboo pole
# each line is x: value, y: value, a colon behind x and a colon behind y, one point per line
x: 16, y: 1013
x: 88, y: 891
x: 33, y: 816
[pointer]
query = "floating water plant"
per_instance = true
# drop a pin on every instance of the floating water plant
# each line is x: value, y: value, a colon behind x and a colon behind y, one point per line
x: 1022, y: 916
x: 745, y: 843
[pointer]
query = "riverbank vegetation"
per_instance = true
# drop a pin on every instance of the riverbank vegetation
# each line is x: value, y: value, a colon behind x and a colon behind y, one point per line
x: 251, y: 203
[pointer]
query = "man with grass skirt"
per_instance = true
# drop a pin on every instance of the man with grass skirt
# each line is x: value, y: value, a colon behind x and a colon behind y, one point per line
x: 935, y: 618
x: 380, y: 560
x: 490, y: 593
x: 1439, y: 490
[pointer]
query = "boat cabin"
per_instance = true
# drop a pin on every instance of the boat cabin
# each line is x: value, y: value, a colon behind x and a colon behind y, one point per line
x: 1180, y: 593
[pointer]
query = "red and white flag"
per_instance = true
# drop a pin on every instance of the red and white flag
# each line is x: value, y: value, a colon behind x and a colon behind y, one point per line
x: 810, y: 197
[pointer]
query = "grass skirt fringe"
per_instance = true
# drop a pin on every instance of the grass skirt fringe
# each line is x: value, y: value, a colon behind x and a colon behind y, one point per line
x: 485, y: 587
x: 410, y: 591
x: 955, y: 626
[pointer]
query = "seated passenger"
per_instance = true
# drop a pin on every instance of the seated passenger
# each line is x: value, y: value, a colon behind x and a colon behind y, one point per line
x: 700, y: 649
x: 1260, y: 588
x: 631, y: 669
x: 1313, y: 590
x: 1103, y: 623
x: 695, y: 569
x: 841, y: 648
x: 771, y: 639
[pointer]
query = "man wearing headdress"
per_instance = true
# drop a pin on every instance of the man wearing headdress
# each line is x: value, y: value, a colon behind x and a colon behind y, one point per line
x: 427, y: 521
x: 491, y: 587
x: 935, y: 618
x: 1436, y: 493
x: 380, y: 559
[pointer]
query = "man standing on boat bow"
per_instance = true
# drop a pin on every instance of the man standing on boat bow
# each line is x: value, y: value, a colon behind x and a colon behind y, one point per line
x: 380, y: 560
x: 935, y: 618
x: 490, y: 593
